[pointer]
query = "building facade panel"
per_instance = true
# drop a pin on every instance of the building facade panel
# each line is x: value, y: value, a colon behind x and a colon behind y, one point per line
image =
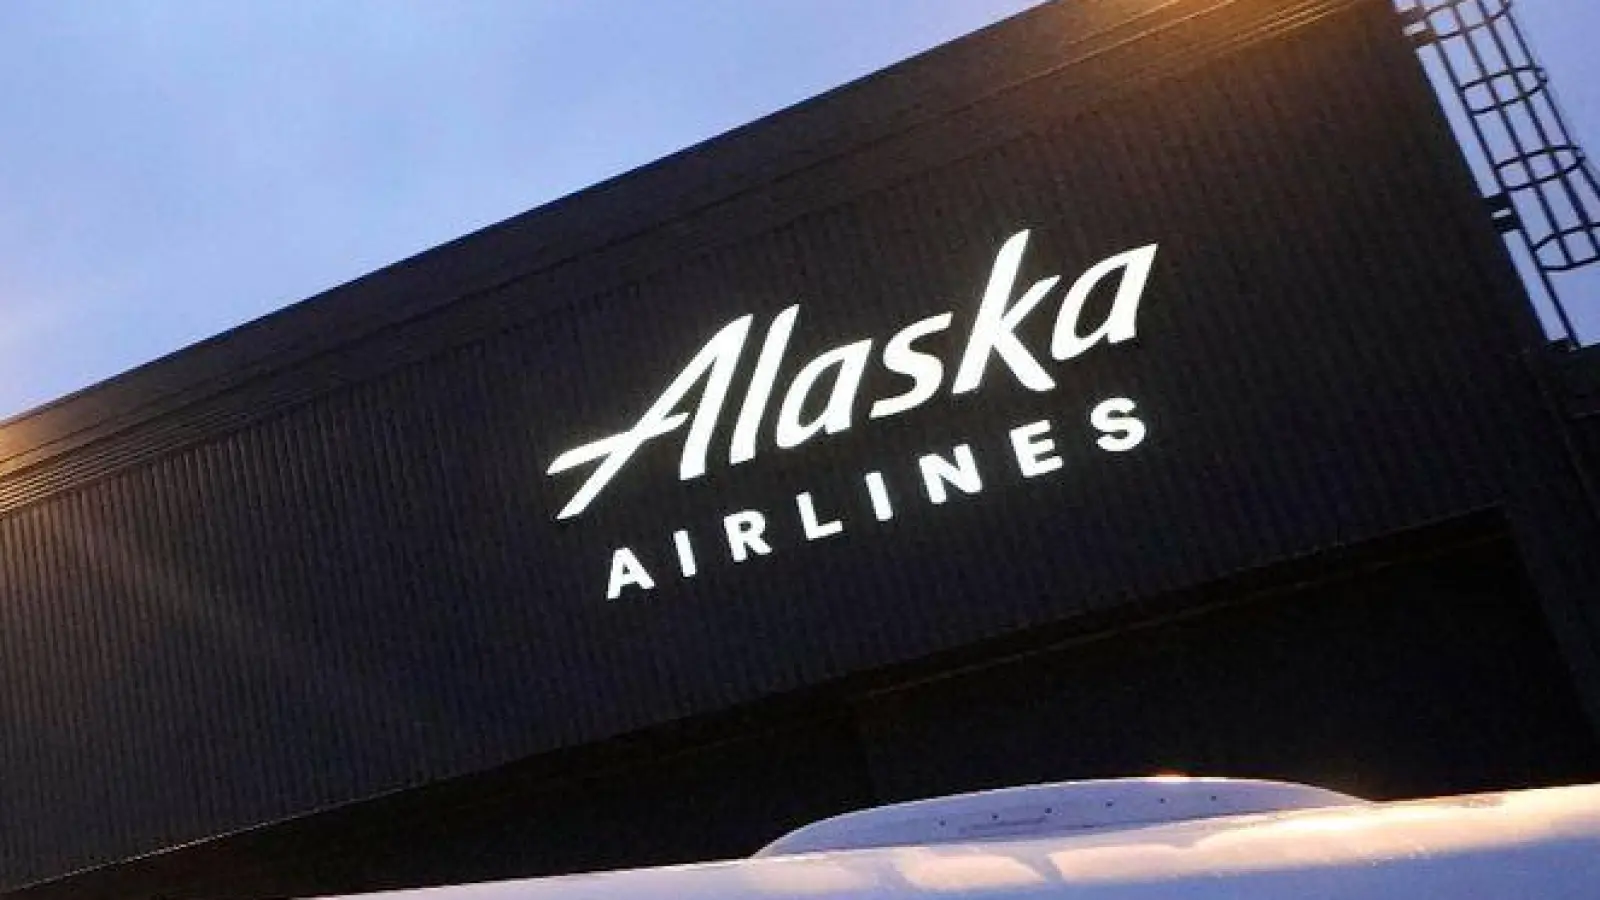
x: 352, y: 575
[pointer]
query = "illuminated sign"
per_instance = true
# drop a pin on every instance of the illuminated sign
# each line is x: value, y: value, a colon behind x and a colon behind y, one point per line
x: 694, y: 402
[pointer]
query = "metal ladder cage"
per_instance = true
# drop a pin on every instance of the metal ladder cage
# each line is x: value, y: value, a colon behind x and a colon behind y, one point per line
x: 1545, y: 188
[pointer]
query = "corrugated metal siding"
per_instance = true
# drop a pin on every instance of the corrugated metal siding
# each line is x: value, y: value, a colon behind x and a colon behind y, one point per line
x: 364, y: 590
x: 1407, y: 677
x: 1416, y: 666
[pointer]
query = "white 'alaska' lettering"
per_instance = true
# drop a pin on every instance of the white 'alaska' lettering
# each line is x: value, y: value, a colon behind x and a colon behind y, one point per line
x: 698, y: 393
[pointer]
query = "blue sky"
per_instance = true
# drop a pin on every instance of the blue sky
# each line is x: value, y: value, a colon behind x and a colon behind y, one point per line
x: 171, y: 169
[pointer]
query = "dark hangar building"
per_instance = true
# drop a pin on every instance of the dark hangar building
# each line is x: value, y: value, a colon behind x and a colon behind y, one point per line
x: 1133, y: 386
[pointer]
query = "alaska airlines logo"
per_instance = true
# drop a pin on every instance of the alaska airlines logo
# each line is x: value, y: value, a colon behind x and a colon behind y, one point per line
x: 992, y: 343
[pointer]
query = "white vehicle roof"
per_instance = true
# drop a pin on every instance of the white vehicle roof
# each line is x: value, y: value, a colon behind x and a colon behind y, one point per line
x: 1294, y: 842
